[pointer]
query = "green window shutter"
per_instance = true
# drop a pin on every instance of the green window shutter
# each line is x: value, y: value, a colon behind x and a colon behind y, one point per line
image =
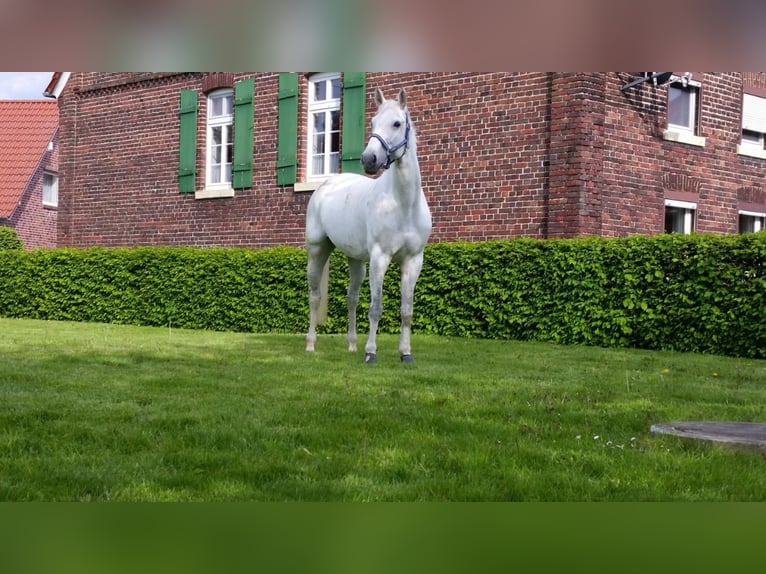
x: 187, y: 161
x: 352, y: 142
x: 287, y: 138
x: 242, y: 170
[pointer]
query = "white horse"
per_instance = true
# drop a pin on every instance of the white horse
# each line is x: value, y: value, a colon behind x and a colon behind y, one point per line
x: 375, y: 220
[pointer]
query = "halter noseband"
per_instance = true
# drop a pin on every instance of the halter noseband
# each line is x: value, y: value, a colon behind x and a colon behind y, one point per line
x: 391, y: 149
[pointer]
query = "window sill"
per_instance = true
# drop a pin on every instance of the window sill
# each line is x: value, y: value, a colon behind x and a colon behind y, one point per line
x: 683, y: 137
x: 214, y: 193
x: 308, y: 185
x: 751, y: 151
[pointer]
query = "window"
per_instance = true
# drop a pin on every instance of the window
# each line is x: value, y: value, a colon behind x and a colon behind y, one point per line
x: 751, y: 221
x: 50, y: 189
x: 228, y: 140
x: 683, y: 112
x: 680, y: 216
x: 753, y: 138
x: 220, y: 119
x: 682, y: 107
x: 753, y: 142
x: 323, y: 125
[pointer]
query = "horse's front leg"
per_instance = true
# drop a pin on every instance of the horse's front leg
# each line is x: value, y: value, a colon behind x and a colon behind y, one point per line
x: 410, y: 272
x: 379, y: 262
x: 357, y: 270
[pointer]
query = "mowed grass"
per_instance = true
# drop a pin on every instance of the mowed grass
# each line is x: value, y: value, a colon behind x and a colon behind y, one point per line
x: 94, y: 412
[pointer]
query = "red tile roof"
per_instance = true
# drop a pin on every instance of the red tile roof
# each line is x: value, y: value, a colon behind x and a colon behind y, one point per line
x: 26, y: 127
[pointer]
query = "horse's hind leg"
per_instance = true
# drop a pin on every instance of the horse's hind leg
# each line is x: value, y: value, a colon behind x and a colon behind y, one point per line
x: 318, y: 258
x: 357, y: 270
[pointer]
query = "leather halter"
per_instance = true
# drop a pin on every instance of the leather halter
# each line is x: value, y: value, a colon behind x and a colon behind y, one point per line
x: 390, y: 150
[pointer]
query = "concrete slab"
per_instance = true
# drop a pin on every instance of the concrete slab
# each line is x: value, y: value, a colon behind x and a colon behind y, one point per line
x: 751, y: 434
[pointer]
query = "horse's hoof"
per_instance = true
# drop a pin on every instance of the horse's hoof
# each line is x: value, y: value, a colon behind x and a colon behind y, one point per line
x: 370, y: 358
x: 407, y: 359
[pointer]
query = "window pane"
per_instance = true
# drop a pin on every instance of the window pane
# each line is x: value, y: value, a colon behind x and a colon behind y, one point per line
x: 320, y: 91
x: 679, y: 219
x: 318, y: 144
x: 317, y: 165
x: 674, y: 219
x: 334, y: 163
x: 215, y: 174
x: 679, y: 107
x: 319, y: 122
x: 336, y: 88
x: 216, y: 107
x: 220, y: 106
x: 752, y: 137
x: 227, y: 141
x: 746, y: 224
x: 750, y: 223
x: 215, y: 148
x: 50, y: 189
x: 335, y: 133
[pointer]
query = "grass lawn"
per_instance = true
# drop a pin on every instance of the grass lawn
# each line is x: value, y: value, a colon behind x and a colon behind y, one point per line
x: 108, y: 412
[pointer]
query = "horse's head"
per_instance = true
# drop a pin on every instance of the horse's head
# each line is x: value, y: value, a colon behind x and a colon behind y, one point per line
x: 390, y: 133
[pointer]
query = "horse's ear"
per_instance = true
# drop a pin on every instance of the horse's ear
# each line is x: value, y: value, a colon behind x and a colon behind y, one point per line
x: 379, y: 98
x: 402, y: 98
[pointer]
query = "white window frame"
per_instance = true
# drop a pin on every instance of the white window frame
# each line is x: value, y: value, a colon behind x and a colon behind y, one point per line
x: 754, y: 126
x: 50, y: 191
x: 689, y: 213
x: 224, y: 122
x: 327, y: 107
x: 685, y: 133
x: 759, y: 220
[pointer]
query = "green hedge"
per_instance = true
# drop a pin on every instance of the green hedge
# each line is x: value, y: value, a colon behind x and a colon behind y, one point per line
x: 9, y: 238
x: 220, y: 289
x: 686, y: 293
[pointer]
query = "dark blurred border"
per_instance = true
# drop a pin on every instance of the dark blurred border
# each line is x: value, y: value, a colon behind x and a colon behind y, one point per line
x: 115, y: 35
x: 380, y: 538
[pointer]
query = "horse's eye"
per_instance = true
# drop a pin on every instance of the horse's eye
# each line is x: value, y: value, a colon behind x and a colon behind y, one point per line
x: 397, y: 124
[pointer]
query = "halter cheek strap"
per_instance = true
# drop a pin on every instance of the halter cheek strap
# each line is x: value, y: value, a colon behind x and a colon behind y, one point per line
x: 390, y: 150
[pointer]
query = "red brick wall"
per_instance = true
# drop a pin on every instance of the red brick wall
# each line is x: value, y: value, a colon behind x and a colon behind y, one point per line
x: 120, y: 171
x: 641, y: 169
x: 501, y: 154
x: 482, y: 149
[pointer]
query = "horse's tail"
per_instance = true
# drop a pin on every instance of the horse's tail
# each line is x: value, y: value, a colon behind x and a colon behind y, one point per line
x: 322, y: 312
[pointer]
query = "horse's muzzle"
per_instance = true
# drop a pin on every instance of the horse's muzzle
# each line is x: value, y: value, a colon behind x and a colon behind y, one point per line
x: 370, y: 163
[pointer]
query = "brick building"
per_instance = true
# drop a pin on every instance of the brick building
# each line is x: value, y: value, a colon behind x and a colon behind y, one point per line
x: 29, y: 170
x: 231, y: 158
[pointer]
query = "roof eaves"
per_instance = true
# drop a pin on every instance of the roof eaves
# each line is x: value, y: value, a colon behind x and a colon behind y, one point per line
x: 57, y: 84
